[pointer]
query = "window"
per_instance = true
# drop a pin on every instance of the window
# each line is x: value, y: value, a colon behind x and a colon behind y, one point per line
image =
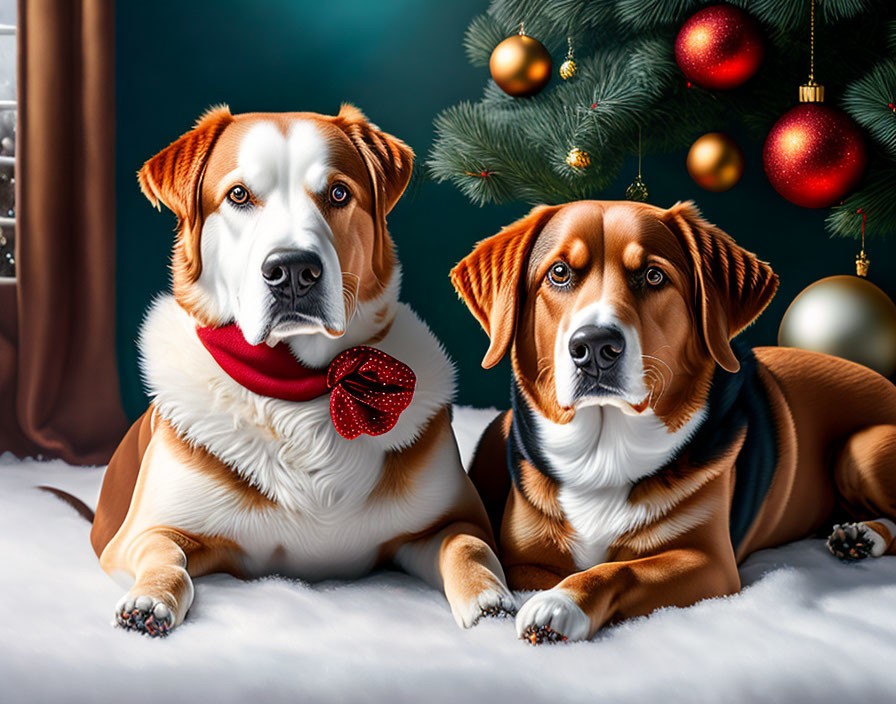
x: 7, y: 137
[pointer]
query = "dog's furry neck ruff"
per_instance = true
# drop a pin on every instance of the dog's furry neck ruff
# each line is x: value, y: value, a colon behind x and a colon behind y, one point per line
x: 736, y: 402
x: 277, y: 445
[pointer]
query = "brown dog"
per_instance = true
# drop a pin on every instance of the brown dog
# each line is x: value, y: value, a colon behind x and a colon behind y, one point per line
x: 647, y: 455
x: 300, y: 421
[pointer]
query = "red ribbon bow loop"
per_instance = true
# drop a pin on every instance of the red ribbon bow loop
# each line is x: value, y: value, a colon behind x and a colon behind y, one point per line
x: 369, y: 391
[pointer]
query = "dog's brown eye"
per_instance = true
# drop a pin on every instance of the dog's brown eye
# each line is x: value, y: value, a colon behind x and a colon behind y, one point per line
x: 654, y: 276
x: 559, y: 274
x: 339, y: 195
x: 238, y: 195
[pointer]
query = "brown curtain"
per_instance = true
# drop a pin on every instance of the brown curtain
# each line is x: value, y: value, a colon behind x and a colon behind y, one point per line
x: 57, y: 326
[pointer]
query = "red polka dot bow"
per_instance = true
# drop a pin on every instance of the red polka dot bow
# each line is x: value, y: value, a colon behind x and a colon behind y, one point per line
x: 368, y: 388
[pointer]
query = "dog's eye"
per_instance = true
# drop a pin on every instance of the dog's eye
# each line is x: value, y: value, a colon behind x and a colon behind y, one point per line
x: 238, y: 195
x: 654, y: 276
x: 559, y: 274
x: 339, y: 195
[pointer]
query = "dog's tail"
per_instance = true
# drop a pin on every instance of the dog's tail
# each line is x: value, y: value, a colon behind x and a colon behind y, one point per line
x: 83, y: 509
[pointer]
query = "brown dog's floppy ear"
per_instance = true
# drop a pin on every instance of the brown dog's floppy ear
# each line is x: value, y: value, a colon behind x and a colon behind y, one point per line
x: 488, y: 279
x: 173, y: 177
x: 732, y: 286
x: 389, y: 160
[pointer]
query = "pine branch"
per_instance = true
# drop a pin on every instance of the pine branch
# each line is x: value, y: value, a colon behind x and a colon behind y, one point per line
x: 648, y: 15
x: 581, y: 16
x: 876, y: 196
x: 503, y: 149
x: 786, y: 16
x: 480, y: 39
x: 509, y: 14
x: 869, y: 101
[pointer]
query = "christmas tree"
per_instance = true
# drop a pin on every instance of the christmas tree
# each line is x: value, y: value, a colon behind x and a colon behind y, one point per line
x: 624, y: 87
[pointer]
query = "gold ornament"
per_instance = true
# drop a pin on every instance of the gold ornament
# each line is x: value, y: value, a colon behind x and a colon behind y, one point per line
x: 845, y: 316
x: 578, y: 158
x: 637, y: 191
x: 520, y: 65
x: 715, y: 162
x: 568, y: 68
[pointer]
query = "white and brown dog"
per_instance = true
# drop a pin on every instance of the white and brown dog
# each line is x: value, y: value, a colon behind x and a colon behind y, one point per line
x: 300, y: 421
x: 647, y: 454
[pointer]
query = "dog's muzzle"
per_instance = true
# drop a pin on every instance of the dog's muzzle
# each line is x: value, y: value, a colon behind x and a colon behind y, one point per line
x: 293, y: 278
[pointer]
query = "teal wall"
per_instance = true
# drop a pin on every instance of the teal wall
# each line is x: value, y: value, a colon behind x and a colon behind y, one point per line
x: 401, y: 61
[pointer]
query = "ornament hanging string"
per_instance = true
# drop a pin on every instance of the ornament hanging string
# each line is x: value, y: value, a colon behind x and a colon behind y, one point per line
x: 811, y: 92
x: 637, y: 190
x: 639, y: 152
x: 863, y: 263
x: 568, y: 68
x: 811, y: 41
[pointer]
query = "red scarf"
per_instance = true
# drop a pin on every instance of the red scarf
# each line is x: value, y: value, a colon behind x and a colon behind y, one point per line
x: 368, y: 388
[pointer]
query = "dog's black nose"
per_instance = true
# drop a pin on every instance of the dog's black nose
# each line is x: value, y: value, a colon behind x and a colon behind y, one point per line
x: 291, y: 271
x: 595, y: 349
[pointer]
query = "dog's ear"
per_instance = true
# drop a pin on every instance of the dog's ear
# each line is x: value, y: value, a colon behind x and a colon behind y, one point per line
x: 488, y: 279
x: 389, y: 160
x: 732, y: 286
x: 173, y: 177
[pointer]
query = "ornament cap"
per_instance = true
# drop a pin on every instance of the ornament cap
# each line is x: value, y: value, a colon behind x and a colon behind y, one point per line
x: 811, y: 92
x: 863, y: 264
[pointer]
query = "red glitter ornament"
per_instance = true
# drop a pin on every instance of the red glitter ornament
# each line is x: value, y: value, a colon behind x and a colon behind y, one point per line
x: 719, y: 48
x: 814, y: 155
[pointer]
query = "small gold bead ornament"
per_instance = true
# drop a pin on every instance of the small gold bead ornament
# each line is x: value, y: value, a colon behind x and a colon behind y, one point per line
x: 578, y: 158
x: 637, y: 190
x: 568, y: 68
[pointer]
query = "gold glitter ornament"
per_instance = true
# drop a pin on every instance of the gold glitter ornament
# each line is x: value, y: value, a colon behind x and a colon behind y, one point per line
x: 578, y: 158
x: 637, y: 191
x: 568, y: 68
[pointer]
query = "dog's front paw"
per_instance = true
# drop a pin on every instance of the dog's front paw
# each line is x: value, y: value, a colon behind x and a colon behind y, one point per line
x: 494, y: 602
x: 144, y: 614
x: 851, y: 542
x: 552, y: 616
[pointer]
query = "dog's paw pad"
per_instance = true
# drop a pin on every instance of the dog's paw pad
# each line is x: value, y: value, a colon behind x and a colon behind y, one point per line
x: 496, y: 612
x: 144, y: 614
x: 552, y: 616
x: 852, y: 542
x: 536, y: 635
x: 494, y: 602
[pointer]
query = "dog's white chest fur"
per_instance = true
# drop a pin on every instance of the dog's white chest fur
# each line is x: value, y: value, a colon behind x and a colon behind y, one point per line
x: 322, y: 521
x: 597, y: 458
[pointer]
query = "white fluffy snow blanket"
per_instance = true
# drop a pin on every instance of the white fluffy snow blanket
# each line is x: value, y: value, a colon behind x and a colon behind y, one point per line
x: 805, y: 629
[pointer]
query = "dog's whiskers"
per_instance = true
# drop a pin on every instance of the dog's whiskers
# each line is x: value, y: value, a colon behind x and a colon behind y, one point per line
x: 351, y: 282
x: 659, y: 375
